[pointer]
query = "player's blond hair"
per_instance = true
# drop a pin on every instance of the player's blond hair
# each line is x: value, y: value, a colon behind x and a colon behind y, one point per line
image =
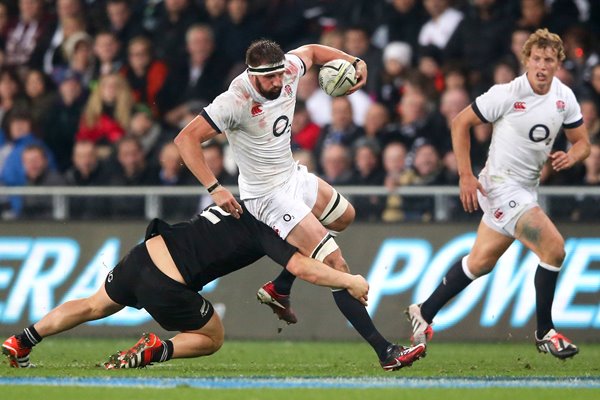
x: 543, y: 38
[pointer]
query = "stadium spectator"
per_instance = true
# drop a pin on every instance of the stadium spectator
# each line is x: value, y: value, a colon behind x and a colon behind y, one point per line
x: 11, y: 95
x: 427, y: 170
x: 181, y: 262
x: 238, y: 30
x: 61, y: 122
x: 342, y: 129
x: 173, y: 20
x: 487, y: 22
x: 504, y: 72
x: 38, y: 173
x: 336, y: 164
x: 131, y: 169
x: 71, y: 19
x: 403, y: 21
x: 122, y: 21
x: 79, y: 52
x: 199, y: 76
x: 107, y: 50
x: 533, y: 14
x: 507, y: 191
x: 518, y: 38
x: 87, y: 170
x: 452, y: 102
x: 357, y: 41
x: 367, y: 172
x: 5, y: 19
x: 20, y: 130
x: 216, y: 12
x: 591, y: 119
x: 145, y: 74
x: 590, y: 90
x: 580, y: 53
x: 413, y: 120
x: 586, y: 208
x: 148, y: 131
x: 442, y: 23
x: 40, y: 95
x: 107, y: 112
x: 397, y: 58
x: 394, y: 165
x: 430, y: 66
x: 172, y: 172
x: 376, y: 120
x: 27, y: 37
x: 305, y: 133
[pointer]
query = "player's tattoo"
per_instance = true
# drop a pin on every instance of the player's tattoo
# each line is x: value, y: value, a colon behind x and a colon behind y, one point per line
x: 531, y: 233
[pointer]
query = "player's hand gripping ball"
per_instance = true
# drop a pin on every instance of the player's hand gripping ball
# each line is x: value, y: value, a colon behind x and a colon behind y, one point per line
x: 337, y: 77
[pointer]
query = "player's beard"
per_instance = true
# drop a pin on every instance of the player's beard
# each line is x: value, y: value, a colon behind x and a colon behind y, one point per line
x: 268, y: 94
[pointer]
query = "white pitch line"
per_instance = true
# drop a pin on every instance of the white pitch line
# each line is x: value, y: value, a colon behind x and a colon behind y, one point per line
x: 311, y: 383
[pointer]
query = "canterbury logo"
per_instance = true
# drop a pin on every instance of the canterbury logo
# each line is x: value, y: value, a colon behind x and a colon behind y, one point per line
x: 519, y: 106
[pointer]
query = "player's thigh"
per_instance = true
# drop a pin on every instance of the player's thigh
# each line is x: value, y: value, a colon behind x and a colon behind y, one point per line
x: 102, y: 305
x: 539, y: 234
x: 488, y: 248
x: 307, y: 234
x: 328, y: 199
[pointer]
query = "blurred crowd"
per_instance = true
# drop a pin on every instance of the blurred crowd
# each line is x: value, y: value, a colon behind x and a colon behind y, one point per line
x: 93, y: 92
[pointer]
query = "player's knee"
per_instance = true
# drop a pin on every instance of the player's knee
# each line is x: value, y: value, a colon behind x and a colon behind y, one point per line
x: 479, y: 266
x: 555, y: 255
x: 338, y: 213
x: 217, y: 342
x: 328, y: 252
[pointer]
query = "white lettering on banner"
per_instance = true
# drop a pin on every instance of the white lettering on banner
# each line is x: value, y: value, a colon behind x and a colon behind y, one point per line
x: 36, y: 281
x: 510, y: 282
x: 382, y: 279
x: 578, y: 279
x: 402, y: 265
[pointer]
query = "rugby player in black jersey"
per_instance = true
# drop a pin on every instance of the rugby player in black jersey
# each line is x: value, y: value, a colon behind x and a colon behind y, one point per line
x: 164, y: 274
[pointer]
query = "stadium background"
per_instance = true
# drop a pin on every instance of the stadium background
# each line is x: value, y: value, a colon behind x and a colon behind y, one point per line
x: 48, y: 256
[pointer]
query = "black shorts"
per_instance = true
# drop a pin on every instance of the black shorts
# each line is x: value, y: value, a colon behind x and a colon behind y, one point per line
x: 137, y: 282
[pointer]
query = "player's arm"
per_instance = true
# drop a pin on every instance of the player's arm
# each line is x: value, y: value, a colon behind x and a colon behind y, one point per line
x: 579, y: 150
x: 315, y: 272
x: 189, y: 142
x: 461, y: 145
x: 319, y: 54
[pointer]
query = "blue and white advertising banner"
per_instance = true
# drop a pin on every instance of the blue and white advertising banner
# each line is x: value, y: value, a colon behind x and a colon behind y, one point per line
x: 45, y: 264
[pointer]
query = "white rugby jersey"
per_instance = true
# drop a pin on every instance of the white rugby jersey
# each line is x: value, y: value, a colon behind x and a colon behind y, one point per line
x: 525, y: 127
x: 258, y: 130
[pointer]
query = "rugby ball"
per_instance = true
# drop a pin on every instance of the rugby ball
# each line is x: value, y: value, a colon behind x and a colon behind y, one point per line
x: 337, y: 77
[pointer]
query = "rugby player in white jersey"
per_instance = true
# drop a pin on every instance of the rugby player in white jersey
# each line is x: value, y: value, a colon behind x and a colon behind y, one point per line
x: 527, y: 114
x: 255, y: 114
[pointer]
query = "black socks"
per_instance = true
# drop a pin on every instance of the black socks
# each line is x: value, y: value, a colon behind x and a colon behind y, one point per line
x: 284, y: 281
x: 545, y: 284
x: 29, y: 337
x: 164, y: 353
x: 452, y: 284
x: 360, y: 319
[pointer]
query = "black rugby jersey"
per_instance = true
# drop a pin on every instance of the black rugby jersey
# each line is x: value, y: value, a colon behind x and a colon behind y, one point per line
x: 214, y: 244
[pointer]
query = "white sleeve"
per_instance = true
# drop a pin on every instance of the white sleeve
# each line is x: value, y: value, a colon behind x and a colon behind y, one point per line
x: 222, y: 114
x: 297, y: 62
x: 573, y: 117
x: 493, y: 104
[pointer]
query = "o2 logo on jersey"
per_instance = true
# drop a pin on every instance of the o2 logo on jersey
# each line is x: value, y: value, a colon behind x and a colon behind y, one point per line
x: 282, y: 125
x: 539, y: 133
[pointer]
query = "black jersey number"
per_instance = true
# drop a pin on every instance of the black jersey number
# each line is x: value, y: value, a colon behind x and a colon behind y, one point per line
x: 539, y: 133
x: 281, y: 125
x: 212, y: 216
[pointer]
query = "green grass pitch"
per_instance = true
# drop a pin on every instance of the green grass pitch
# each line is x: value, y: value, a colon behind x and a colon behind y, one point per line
x: 66, y: 357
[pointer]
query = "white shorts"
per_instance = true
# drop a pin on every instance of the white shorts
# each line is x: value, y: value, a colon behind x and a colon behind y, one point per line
x: 504, y: 204
x: 288, y: 204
